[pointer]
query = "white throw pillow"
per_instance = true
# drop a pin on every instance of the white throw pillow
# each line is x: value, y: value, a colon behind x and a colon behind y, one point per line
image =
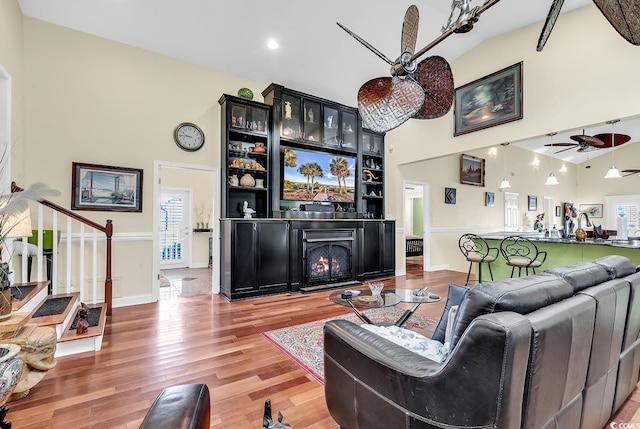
x: 426, y: 347
x: 449, y: 331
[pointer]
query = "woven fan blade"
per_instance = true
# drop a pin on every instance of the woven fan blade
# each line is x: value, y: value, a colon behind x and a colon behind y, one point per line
x: 435, y: 76
x: 624, y: 16
x: 410, y: 30
x: 385, y: 103
x: 618, y: 139
x: 554, y: 11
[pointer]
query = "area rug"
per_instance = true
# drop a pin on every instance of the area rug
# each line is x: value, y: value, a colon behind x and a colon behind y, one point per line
x: 304, y: 343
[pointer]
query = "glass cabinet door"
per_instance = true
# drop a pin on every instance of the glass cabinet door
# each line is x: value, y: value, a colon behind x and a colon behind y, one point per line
x: 349, y: 130
x: 258, y: 120
x: 291, y: 117
x: 331, y: 119
x: 311, y: 121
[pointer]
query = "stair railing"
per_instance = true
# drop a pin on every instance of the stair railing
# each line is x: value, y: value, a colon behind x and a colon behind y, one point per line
x: 107, y: 230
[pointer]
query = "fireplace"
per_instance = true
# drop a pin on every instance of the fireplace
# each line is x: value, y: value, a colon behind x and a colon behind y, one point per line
x: 328, y: 257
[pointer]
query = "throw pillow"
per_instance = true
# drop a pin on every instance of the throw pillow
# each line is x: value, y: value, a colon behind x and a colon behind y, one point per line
x: 454, y: 297
x: 449, y: 332
x: 419, y: 344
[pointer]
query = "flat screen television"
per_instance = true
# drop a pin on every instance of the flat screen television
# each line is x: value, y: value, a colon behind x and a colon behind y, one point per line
x: 317, y: 176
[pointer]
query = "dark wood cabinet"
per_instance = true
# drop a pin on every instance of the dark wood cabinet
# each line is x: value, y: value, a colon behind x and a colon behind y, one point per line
x: 245, y: 157
x: 255, y: 258
x: 376, y: 249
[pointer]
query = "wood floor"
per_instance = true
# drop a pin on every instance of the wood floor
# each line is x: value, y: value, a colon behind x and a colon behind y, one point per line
x: 204, y: 339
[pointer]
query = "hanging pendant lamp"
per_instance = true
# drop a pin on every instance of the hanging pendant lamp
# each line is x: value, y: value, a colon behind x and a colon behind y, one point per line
x: 505, y: 183
x: 552, y: 179
x: 613, y: 172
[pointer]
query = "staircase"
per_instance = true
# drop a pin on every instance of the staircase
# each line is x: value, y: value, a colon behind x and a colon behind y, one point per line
x: 69, y: 342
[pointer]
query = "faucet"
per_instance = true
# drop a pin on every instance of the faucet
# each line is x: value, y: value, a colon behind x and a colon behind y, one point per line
x: 581, y: 235
x: 580, y: 218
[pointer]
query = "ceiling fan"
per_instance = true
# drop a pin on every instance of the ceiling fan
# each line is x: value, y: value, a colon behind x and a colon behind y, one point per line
x: 585, y: 143
x: 423, y: 90
x: 623, y: 15
x: 631, y: 172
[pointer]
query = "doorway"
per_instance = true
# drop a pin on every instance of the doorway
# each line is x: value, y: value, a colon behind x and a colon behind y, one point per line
x: 175, y: 228
x: 511, y: 211
x: 186, y: 230
x: 416, y: 224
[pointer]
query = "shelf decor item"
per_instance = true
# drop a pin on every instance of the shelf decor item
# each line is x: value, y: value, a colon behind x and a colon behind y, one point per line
x: 247, y: 181
x: 489, y: 101
x: 245, y: 93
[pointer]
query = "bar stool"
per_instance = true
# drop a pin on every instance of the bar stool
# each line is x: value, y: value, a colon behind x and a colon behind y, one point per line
x: 476, y: 249
x: 520, y: 252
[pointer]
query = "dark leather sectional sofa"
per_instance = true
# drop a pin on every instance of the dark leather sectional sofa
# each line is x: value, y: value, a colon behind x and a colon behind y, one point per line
x: 555, y: 350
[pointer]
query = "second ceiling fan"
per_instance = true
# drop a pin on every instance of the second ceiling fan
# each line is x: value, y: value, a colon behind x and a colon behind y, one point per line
x: 587, y: 143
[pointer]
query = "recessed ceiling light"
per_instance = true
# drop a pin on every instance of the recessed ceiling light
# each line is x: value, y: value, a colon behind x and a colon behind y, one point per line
x: 272, y: 44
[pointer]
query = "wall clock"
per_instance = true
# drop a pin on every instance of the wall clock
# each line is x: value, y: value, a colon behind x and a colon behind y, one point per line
x: 188, y: 136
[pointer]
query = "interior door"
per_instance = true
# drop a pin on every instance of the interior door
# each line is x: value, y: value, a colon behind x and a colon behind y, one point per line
x: 511, y: 211
x: 175, y: 228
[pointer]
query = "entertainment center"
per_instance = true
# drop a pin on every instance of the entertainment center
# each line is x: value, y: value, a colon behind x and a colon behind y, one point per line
x: 312, y: 180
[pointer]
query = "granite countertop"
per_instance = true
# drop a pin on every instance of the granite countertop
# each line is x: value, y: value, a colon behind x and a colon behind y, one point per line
x: 631, y: 243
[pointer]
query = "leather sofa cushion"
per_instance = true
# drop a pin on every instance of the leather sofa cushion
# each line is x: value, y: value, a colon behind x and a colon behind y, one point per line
x: 617, y: 266
x: 521, y: 295
x: 454, y: 297
x: 581, y: 275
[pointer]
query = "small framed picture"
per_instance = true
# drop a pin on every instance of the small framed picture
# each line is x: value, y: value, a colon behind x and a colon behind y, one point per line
x: 532, y: 203
x: 471, y: 170
x: 593, y: 210
x: 449, y: 195
x: 489, y: 199
x: 558, y: 211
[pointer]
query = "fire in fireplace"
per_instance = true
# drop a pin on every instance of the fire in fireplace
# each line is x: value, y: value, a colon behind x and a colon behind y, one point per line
x: 328, y: 256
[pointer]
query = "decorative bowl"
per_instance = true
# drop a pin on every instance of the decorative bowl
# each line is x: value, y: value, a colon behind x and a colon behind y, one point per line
x: 245, y: 93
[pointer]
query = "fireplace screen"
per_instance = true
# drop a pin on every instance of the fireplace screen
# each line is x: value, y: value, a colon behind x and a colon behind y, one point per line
x: 329, y: 263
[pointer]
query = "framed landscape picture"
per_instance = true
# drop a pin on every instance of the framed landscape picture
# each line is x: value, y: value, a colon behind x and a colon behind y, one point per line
x: 471, y: 170
x: 106, y: 188
x: 489, y: 101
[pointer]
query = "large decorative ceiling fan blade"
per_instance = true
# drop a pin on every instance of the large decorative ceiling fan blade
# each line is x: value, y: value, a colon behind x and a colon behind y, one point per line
x: 624, y: 16
x: 410, y: 30
x: 617, y: 139
x: 552, y: 16
x: 386, y: 103
x: 564, y: 150
x: 436, y: 78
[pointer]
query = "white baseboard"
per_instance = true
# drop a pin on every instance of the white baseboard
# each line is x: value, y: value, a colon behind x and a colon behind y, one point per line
x: 401, y: 272
x: 133, y: 300
x: 439, y: 267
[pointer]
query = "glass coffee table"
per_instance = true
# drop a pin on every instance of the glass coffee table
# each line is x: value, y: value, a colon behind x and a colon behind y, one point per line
x: 388, y: 298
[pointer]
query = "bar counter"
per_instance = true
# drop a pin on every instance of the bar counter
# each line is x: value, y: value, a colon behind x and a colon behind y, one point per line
x: 563, y: 251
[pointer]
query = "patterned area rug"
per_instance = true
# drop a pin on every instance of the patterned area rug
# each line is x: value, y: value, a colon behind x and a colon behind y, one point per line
x: 304, y: 343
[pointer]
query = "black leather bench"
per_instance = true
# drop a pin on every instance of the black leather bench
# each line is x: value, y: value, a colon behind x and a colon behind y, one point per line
x: 185, y: 406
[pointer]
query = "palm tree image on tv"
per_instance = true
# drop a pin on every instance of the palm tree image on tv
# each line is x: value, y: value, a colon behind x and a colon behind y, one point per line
x: 317, y: 176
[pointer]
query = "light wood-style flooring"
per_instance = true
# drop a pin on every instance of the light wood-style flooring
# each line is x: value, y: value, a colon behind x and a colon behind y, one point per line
x: 204, y: 339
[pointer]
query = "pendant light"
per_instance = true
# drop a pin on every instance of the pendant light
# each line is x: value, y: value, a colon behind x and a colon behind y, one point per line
x: 505, y: 183
x: 552, y: 179
x: 613, y: 172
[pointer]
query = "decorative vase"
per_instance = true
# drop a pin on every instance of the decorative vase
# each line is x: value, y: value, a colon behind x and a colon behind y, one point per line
x: 233, y: 180
x: 259, y: 183
x: 248, y: 181
x: 245, y: 93
x: 11, y: 366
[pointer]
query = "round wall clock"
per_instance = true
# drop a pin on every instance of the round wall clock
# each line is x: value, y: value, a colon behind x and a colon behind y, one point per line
x: 188, y: 136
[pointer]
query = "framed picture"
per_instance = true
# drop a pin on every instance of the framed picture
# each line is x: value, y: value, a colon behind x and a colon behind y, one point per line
x: 489, y: 101
x: 532, y: 203
x: 593, y: 210
x: 449, y: 195
x: 489, y: 199
x: 558, y: 211
x: 106, y: 188
x: 471, y: 170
